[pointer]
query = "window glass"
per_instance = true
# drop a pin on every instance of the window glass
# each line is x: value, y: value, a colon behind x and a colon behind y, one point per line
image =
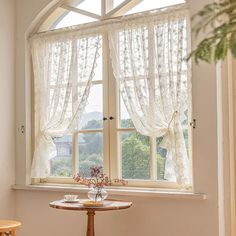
x: 93, y: 6
x: 125, y: 120
x: 61, y: 164
x: 93, y: 113
x: 151, y: 4
x: 72, y: 18
x: 90, y: 154
x: 135, y: 155
x: 160, y: 159
x: 117, y: 2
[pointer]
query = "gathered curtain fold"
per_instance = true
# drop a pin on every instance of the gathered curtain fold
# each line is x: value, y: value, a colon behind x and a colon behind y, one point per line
x: 148, y: 58
x: 63, y: 68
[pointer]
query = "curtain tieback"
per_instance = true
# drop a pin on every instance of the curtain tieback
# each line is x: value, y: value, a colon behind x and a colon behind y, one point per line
x: 172, y: 118
x: 169, y: 135
x: 45, y: 141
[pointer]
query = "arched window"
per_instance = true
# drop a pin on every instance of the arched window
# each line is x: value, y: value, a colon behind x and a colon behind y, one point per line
x: 106, y: 133
x: 75, y: 12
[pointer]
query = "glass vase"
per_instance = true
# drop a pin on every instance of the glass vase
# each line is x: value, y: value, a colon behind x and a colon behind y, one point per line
x: 97, y: 194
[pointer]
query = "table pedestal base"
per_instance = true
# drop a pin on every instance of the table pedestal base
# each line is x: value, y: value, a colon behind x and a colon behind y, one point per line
x: 108, y: 205
x: 90, y: 223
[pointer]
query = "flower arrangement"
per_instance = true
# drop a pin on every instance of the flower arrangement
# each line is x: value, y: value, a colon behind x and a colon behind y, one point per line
x: 98, y: 179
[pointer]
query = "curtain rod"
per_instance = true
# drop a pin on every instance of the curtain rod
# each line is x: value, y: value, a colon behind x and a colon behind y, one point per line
x: 117, y: 19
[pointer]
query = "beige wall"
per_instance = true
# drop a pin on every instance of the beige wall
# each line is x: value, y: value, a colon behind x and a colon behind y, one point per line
x: 148, y: 216
x: 7, y: 106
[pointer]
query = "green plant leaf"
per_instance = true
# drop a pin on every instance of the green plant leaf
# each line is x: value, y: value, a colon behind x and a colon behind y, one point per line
x: 221, y: 49
x: 203, y: 51
x: 221, y: 18
x: 232, y: 43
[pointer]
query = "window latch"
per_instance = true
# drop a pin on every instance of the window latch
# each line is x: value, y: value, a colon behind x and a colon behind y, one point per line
x: 193, y: 123
x: 21, y: 129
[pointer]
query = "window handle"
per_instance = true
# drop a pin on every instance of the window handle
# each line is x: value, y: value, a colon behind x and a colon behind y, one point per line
x: 104, y: 118
x: 111, y: 118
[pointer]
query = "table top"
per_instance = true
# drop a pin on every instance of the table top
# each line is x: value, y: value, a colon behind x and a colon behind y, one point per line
x: 8, y: 225
x: 108, y: 205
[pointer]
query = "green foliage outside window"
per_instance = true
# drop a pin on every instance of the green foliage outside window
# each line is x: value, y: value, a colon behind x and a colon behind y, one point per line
x: 135, y: 149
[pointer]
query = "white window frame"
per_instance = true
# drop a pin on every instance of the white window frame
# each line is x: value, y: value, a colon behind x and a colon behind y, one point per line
x: 111, y: 129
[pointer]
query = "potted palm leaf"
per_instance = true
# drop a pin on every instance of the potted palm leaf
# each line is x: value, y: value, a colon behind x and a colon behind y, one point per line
x: 218, y: 21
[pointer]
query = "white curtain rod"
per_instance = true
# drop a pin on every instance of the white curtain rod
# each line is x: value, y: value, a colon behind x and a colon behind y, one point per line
x: 96, y: 25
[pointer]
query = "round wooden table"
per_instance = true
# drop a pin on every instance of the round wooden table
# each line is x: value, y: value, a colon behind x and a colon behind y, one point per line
x: 7, y: 227
x: 108, y: 205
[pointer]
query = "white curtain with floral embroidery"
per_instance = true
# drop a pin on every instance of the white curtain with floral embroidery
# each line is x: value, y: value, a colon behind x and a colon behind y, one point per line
x: 63, y: 67
x: 148, y: 56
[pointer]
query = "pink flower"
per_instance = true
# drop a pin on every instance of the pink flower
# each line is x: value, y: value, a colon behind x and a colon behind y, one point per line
x: 97, y: 179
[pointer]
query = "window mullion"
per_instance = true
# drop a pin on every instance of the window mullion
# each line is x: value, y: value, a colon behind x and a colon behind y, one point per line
x: 113, y: 101
x: 74, y: 135
x: 75, y: 159
x: 106, y: 6
x: 106, y: 134
x: 103, y: 7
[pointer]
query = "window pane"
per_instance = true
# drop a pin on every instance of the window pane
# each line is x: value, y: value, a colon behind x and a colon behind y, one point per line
x: 61, y: 165
x: 186, y: 139
x: 93, y: 113
x: 93, y: 6
x: 135, y: 156
x: 161, y: 159
x: 125, y: 121
x: 90, y: 146
x: 72, y: 18
x: 151, y: 4
x: 117, y: 2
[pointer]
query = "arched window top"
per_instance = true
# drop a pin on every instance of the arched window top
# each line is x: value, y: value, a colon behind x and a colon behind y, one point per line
x: 75, y: 12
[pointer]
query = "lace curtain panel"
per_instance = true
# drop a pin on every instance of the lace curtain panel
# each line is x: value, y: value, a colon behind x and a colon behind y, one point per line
x: 63, y: 70
x: 148, y: 63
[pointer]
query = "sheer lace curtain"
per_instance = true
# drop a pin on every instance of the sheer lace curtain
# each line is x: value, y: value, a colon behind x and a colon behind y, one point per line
x: 148, y: 62
x: 63, y: 70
